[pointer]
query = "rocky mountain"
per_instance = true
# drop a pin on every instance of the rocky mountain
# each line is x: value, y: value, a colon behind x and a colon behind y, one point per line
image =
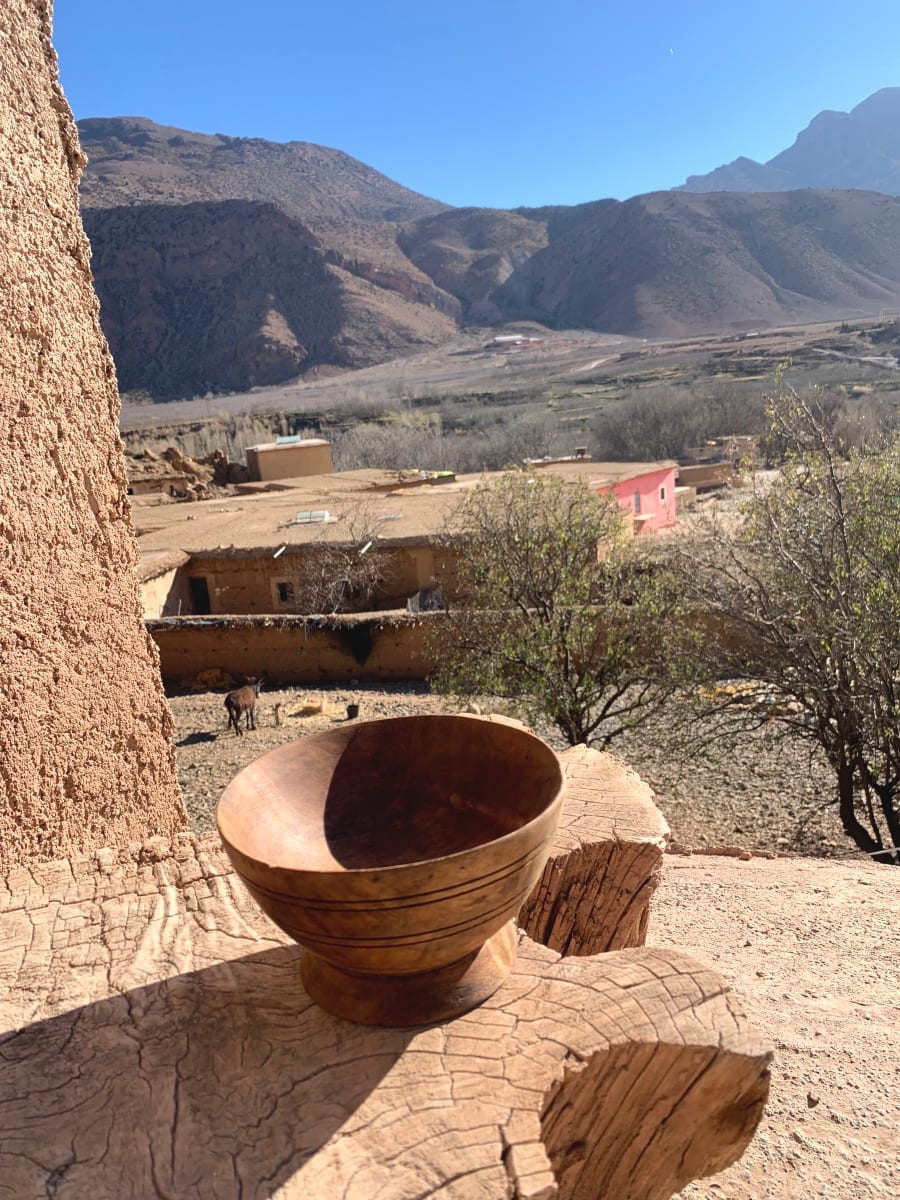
x: 858, y: 149
x: 229, y: 295
x: 470, y: 252
x: 225, y: 263
x: 671, y: 263
x: 135, y: 161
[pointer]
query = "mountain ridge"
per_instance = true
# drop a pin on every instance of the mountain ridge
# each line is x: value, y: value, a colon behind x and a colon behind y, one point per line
x: 224, y: 264
x: 132, y: 159
x: 858, y: 149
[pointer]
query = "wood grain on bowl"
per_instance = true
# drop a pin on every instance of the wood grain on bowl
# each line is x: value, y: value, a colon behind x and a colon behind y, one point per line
x: 395, y: 849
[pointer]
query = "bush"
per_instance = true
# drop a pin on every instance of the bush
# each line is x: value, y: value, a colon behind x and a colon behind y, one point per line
x: 555, y: 610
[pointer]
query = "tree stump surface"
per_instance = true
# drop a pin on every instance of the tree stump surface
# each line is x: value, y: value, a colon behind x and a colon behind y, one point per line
x: 156, y: 1040
x: 595, y: 892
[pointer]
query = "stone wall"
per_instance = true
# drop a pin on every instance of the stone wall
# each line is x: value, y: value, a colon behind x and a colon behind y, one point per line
x: 85, y: 752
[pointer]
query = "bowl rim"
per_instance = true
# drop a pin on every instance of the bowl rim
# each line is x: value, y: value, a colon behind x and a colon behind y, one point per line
x: 553, y: 803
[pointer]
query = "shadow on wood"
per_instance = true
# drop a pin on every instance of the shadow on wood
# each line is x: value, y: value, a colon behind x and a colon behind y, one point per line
x: 242, y: 1087
x: 232, y: 1075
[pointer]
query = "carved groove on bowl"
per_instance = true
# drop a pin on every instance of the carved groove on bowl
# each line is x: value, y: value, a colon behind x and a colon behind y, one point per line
x: 323, y: 832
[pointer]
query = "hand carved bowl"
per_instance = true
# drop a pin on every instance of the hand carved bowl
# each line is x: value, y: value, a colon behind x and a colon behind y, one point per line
x: 397, y: 852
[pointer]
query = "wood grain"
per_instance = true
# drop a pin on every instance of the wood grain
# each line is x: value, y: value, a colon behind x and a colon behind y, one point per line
x: 393, y: 850
x: 595, y: 891
x: 158, y: 1042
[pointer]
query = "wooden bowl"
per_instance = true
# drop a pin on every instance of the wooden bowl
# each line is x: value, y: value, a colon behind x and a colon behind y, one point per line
x: 397, y: 853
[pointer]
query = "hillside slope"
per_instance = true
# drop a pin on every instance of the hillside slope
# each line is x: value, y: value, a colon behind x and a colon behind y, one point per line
x: 135, y: 161
x: 232, y: 295
x: 471, y: 252
x: 670, y: 263
x: 228, y: 263
x: 858, y: 149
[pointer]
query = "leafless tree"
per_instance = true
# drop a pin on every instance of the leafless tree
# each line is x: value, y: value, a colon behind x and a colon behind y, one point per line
x: 345, y: 573
x: 801, y: 594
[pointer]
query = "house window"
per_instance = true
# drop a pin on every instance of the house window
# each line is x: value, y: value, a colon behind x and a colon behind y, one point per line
x: 285, y: 591
x: 637, y: 502
x: 662, y: 492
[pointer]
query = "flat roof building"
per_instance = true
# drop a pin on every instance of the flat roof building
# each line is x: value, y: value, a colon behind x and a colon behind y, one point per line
x: 249, y: 552
x: 289, y: 458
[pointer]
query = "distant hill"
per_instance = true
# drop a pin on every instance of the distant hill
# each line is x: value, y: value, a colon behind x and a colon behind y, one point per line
x: 134, y: 161
x: 671, y: 263
x: 470, y: 252
x: 858, y: 149
x: 225, y: 263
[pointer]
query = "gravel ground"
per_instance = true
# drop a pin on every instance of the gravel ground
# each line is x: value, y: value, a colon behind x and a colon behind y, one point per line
x: 753, y: 792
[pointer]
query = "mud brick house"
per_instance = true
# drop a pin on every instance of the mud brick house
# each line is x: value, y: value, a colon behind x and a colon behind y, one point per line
x: 251, y: 553
x: 235, y: 584
x: 289, y: 458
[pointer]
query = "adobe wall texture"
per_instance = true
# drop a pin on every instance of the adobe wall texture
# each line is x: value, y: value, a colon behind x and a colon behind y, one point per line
x: 85, y: 752
x: 390, y: 646
x: 241, y: 585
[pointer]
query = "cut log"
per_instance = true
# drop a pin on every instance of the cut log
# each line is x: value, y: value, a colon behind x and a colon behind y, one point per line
x: 595, y: 892
x: 155, y: 1030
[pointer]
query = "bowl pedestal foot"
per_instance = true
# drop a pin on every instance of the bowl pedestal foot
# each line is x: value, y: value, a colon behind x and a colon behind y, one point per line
x: 397, y: 1001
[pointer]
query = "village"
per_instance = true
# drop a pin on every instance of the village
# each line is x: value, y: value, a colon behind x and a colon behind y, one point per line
x: 415, y: 953
x: 216, y: 573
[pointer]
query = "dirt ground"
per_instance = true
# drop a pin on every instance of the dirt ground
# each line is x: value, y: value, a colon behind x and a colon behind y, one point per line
x: 810, y: 947
x: 754, y: 793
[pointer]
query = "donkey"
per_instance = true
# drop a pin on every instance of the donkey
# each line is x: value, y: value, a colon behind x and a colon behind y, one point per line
x: 242, y: 703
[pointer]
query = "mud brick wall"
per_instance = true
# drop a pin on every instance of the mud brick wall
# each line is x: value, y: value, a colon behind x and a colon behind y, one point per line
x: 315, y: 650
x: 85, y: 752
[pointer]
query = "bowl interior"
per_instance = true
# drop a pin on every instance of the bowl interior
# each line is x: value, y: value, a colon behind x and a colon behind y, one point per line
x: 388, y: 793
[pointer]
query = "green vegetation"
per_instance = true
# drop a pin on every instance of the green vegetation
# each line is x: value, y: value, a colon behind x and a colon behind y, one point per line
x: 556, y: 611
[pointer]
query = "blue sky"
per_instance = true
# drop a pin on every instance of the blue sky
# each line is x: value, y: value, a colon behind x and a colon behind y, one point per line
x: 493, y: 103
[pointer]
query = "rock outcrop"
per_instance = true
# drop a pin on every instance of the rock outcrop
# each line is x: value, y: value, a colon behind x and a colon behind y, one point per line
x: 85, y: 751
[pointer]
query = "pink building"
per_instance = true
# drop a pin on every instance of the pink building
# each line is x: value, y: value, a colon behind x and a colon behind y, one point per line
x: 645, y: 490
x: 648, y: 494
